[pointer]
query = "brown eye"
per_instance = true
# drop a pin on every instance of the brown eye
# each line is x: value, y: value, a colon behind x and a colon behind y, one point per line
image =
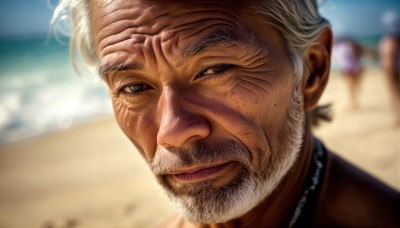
x: 214, y: 70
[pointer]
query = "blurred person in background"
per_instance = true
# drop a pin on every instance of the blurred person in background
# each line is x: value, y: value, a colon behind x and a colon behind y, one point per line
x: 389, y: 51
x: 214, y: 95
x: 347, y: 55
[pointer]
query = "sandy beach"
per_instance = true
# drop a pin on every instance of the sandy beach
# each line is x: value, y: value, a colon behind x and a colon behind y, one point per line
x: 91, y: 175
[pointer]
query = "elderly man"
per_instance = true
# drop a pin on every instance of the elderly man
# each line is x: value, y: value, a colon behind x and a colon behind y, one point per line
x: 214, y: 95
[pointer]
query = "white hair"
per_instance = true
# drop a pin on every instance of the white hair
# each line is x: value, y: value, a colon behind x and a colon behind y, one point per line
x: 81, y: 42
x: 298, y: 21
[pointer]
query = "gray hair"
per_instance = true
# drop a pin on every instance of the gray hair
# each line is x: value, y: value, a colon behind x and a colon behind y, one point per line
x: 301, y: 25
x: 298, y: 20
x: 81, y: 42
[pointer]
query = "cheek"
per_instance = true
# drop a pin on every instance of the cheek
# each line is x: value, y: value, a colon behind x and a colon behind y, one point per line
x: 275, y: 117
x: 266, y: 105
x: 263, y: 101
x: 138, y: 127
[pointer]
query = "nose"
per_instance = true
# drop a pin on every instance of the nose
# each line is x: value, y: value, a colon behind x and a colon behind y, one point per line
x: 178, y: 126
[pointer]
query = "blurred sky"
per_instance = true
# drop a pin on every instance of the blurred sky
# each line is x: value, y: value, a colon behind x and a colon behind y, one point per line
x: 353, y: 17
x: 360, y: 17
x: 24, y: 17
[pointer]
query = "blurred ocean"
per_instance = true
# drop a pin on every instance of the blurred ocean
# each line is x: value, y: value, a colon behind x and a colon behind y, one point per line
x: 40, y: 92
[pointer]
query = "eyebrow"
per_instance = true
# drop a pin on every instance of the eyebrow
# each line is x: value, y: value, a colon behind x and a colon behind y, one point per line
x: 214, y: 39
x: 220, y: 37
x: 104, y: 68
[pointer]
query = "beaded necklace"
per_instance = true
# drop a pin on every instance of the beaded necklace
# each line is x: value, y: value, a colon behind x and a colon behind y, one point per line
x: 305, y: 207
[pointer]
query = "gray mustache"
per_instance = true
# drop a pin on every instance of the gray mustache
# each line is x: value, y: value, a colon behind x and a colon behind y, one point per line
x: 165, y: 161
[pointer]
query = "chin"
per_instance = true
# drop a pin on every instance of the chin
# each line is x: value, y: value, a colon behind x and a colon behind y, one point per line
x: 201, y: 203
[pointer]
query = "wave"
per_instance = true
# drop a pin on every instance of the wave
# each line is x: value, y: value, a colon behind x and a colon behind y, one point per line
x: 40, y: 92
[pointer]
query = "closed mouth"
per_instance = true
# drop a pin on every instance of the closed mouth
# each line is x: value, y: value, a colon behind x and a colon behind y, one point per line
x: 200, y: 174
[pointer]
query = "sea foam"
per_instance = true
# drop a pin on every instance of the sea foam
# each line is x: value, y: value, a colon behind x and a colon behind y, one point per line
x: 40, y: 92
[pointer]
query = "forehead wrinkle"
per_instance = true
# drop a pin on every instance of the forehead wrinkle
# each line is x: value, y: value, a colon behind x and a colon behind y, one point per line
x: 219, y: 38
x: 140, y: 28
x: 123, y: 29
x: 123, y: 37
x: 104, y: 68
x: 136, y: 20
x: 215, y: 38
x: 151, y: 20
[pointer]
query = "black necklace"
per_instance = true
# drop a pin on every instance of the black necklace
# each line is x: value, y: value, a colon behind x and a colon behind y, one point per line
x: 305, y: 207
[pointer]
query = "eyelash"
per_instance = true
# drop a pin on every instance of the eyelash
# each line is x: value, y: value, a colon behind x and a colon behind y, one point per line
x: 219, y: 70
x: 144, y: 88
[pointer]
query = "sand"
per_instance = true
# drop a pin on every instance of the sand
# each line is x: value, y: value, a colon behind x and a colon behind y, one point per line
x: 367, y: 137
x: 88, y: 176
x: 91, y: 175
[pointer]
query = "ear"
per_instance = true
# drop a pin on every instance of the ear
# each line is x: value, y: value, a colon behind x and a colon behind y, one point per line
x: 317, y: 61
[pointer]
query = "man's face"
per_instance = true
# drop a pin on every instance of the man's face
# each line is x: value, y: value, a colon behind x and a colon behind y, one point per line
x: 203, y: 89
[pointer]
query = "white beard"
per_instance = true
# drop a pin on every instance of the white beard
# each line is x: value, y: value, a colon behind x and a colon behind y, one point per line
x: 203, y: 204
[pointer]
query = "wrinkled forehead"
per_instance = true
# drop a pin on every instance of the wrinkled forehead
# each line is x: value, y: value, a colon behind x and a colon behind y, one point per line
x: 154, y: 17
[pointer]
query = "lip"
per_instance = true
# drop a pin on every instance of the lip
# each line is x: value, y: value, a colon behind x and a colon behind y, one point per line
x: 200, y: 173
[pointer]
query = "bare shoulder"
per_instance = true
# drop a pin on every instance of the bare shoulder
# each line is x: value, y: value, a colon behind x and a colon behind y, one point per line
x: 351, y: 197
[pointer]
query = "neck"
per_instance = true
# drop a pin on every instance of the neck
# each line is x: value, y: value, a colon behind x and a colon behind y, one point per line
x: 278, y: 208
